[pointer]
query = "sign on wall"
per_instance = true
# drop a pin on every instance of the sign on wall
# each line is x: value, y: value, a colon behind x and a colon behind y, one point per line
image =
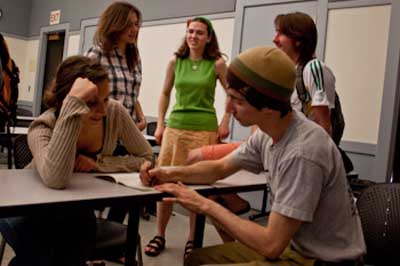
x: 55, y: 16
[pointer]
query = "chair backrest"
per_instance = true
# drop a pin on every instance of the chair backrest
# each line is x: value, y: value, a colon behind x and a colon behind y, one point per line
x: 151, y: 128
x: 22, y: 154
x: 379, y: 209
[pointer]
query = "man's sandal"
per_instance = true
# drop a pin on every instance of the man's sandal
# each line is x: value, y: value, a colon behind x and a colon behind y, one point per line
x: 156, y: 245
x: 188, y: 248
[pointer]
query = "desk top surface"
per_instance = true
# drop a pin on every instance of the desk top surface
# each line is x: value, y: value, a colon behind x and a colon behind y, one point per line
x: 24, y: 188
x: 24, y: 131
x: 26, y: 118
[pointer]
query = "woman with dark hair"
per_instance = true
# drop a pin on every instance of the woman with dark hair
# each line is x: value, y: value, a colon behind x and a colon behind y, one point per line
x: 115, y: 46
x: 193, y: 71
x: 78, y: 133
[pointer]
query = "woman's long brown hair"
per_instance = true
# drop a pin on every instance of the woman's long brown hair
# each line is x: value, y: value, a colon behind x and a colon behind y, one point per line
x: 113, y: 21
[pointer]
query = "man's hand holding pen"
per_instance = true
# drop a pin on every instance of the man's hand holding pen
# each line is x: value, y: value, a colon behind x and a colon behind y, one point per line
x: 151, y: 175
x: 153, y: 164
x: 145, y: 176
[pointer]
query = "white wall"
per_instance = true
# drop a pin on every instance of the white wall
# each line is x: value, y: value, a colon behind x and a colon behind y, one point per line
x: 356, y: 49
x: 25, y: 53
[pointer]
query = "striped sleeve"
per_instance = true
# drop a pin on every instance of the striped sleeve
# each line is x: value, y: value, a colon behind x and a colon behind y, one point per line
x: 320, y: 82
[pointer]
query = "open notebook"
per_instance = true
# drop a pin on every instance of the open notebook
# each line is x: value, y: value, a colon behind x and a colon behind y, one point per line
x: 132, y: 180
x: 127, y: 179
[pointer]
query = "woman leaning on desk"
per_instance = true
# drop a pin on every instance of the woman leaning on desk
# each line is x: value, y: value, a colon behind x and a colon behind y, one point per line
x: 193, y: 71
x: 78, y: 133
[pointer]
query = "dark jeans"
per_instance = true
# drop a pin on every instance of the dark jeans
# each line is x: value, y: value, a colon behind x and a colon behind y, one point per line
x: 357, y: 262
x: 117, y: 214
x: 56, y: 238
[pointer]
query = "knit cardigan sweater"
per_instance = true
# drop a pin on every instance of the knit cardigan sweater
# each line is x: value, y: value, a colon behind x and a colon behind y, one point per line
x: 53, y: 142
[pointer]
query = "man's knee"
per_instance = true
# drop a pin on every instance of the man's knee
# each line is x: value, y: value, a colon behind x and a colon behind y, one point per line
x: 207, y: 255
x: 219, y: 254
x: 194, y: 258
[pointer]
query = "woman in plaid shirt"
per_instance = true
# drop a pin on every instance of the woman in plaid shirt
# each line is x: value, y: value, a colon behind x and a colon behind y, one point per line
x: 115, y: 46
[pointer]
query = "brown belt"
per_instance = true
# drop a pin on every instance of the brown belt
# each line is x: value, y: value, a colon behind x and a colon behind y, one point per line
x: 357, y: 262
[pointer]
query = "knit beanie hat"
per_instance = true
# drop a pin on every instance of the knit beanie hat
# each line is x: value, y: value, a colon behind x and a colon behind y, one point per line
x: 268, y: 70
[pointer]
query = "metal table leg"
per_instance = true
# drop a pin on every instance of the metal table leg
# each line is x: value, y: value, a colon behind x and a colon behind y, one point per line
x: 132, y: 236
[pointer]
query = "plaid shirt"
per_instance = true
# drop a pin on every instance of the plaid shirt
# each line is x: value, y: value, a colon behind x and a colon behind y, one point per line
x: 124, y: 84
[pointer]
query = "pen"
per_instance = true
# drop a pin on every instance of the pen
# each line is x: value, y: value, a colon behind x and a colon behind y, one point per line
x: 153, y: 164
x: 153, y: 161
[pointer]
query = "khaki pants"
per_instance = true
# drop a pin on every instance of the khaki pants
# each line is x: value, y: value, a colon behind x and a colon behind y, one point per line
x: 234, y: 253
x: 177, y: 143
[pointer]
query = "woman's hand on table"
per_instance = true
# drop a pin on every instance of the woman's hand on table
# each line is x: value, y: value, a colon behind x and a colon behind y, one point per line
x: 84, y: 164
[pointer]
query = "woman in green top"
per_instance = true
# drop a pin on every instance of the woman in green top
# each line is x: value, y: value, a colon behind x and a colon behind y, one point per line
x: 193, y: 71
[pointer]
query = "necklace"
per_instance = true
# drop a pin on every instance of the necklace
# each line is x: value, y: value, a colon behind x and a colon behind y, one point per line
x: 195, y: 64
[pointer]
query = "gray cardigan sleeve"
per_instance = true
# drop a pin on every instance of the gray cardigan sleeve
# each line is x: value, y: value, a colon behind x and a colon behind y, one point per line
x: 120, y: 126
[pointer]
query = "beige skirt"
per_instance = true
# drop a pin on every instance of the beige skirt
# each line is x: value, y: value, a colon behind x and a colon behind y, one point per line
x: 176, y: 144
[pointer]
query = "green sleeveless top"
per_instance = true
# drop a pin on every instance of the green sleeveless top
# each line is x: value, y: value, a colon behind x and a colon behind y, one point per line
x: 195, y: 83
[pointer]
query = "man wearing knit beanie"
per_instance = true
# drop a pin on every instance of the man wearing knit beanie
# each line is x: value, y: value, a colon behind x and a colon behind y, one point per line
x: 313, y: 218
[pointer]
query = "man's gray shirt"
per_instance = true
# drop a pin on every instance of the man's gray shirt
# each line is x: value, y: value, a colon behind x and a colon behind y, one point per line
x: 308, y: 183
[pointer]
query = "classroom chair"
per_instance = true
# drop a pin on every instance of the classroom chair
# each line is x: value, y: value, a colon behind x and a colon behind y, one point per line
x: 379, y: 209
x: 2, y: 247
x: 150, y: 130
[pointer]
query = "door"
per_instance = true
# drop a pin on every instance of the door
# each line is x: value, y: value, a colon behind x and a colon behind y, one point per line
x: 53, y: 44
x: 54, y: 56
x: 88, y: 29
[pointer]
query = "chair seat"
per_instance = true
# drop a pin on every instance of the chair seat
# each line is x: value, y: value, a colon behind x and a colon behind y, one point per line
x: 379, y: 209
x: 110, y: 240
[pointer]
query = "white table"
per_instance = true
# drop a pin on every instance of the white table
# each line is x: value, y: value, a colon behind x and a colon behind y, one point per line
x: 242, y: 181
x: 23, y: 193
x: 24, y: 131
x: 18, y: 130
x: 25, y: 118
